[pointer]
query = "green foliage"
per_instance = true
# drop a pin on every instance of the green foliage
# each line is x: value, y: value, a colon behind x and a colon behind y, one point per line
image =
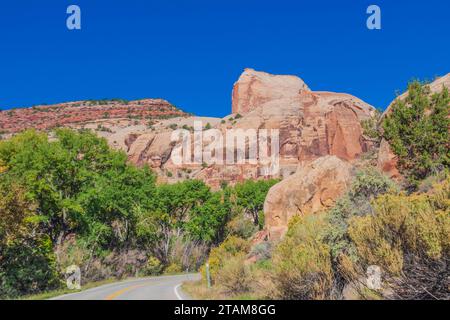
x: 417, y: 130
x: 231, y: 247
x: 27, y: 266
x: 76, y: 180
x: 207, y: 221
x: 409, y: 238
x: 370, y: 127
x: 72, y: 183
x: 66, y: 197
x: 250, y: 196
x: 302, y: 262
x: 27, y: 262
x: 367, y: 185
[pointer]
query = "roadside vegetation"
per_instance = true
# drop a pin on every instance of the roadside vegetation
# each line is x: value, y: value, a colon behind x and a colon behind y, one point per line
x: 70, y: 199
x: 402, y: 227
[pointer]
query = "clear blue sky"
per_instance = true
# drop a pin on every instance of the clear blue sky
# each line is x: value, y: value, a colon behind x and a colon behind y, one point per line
x: 190, y: 52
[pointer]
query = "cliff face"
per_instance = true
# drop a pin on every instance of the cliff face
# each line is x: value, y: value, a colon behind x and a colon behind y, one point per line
x: 311, y: 125
x: 82, y: 112
x: 255, y: 88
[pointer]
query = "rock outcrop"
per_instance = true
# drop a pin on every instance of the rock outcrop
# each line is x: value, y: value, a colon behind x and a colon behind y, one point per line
x: 81, y: 112
x: 313, y: 188
x: 254, y: 88
x: 311, y: 125
x: 387, y: 160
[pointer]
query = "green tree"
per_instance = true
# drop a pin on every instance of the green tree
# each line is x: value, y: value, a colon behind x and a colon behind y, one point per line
x: 27, y: 261
x: 207, y: 222
x: 250, y: 197
x: 418, y: 131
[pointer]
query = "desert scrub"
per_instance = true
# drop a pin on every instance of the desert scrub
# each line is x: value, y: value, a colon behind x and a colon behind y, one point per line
x: 370, y: 127
x: 234, y: 276
x: 409, y: 238
x: 302, y: 261
x: 367, y: 185
x: 231, y: 247
x: 242, y: 227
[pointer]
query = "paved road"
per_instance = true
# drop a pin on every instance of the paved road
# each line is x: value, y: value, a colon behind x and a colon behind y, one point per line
x: 156, y: 288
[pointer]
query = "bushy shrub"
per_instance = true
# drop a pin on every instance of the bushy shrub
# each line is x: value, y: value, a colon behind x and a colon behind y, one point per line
x: 241, y: 227
x: 370, y: 127
x: 173, y: 268
x: 417, y: 130
x: 231, y: 247
x: 262, y: 251
x: 302, y: 261
x: 234, y: 275
x: 367, y: 185
x: 28, y: 267
x: 409, y: 238
x: 153, y: 266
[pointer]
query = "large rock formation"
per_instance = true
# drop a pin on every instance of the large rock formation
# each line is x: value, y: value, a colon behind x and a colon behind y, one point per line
x: 254, y: 88
x: 311, y: 189
x: 79, y: 113
x: 311, y: 125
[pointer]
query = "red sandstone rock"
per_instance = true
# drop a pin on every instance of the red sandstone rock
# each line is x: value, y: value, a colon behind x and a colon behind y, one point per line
x: 311, y: 189
x: 311, y: 125
x: 387, y: 160
x: 255, y: 88
x: 72, y: 113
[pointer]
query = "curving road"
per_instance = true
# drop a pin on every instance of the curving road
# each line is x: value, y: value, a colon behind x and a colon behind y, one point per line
x: 156, y: 288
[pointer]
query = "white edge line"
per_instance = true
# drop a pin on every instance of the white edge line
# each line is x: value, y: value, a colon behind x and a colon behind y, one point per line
x: 175, y: 289
x: 115, y: 284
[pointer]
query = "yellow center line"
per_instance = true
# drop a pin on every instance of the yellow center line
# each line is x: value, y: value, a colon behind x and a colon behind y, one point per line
x: 122, y: 291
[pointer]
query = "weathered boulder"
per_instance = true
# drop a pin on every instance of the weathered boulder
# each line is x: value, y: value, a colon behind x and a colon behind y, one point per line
x: 313, y: 188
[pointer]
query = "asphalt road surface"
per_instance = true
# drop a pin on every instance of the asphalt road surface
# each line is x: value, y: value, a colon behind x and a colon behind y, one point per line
x: 156, y: 288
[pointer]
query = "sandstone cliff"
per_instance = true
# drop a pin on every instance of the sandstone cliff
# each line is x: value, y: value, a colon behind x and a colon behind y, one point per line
x: 80, y: 113
x: 311, y: 125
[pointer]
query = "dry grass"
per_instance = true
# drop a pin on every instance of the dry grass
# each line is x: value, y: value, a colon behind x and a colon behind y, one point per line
x: 198, y: 290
